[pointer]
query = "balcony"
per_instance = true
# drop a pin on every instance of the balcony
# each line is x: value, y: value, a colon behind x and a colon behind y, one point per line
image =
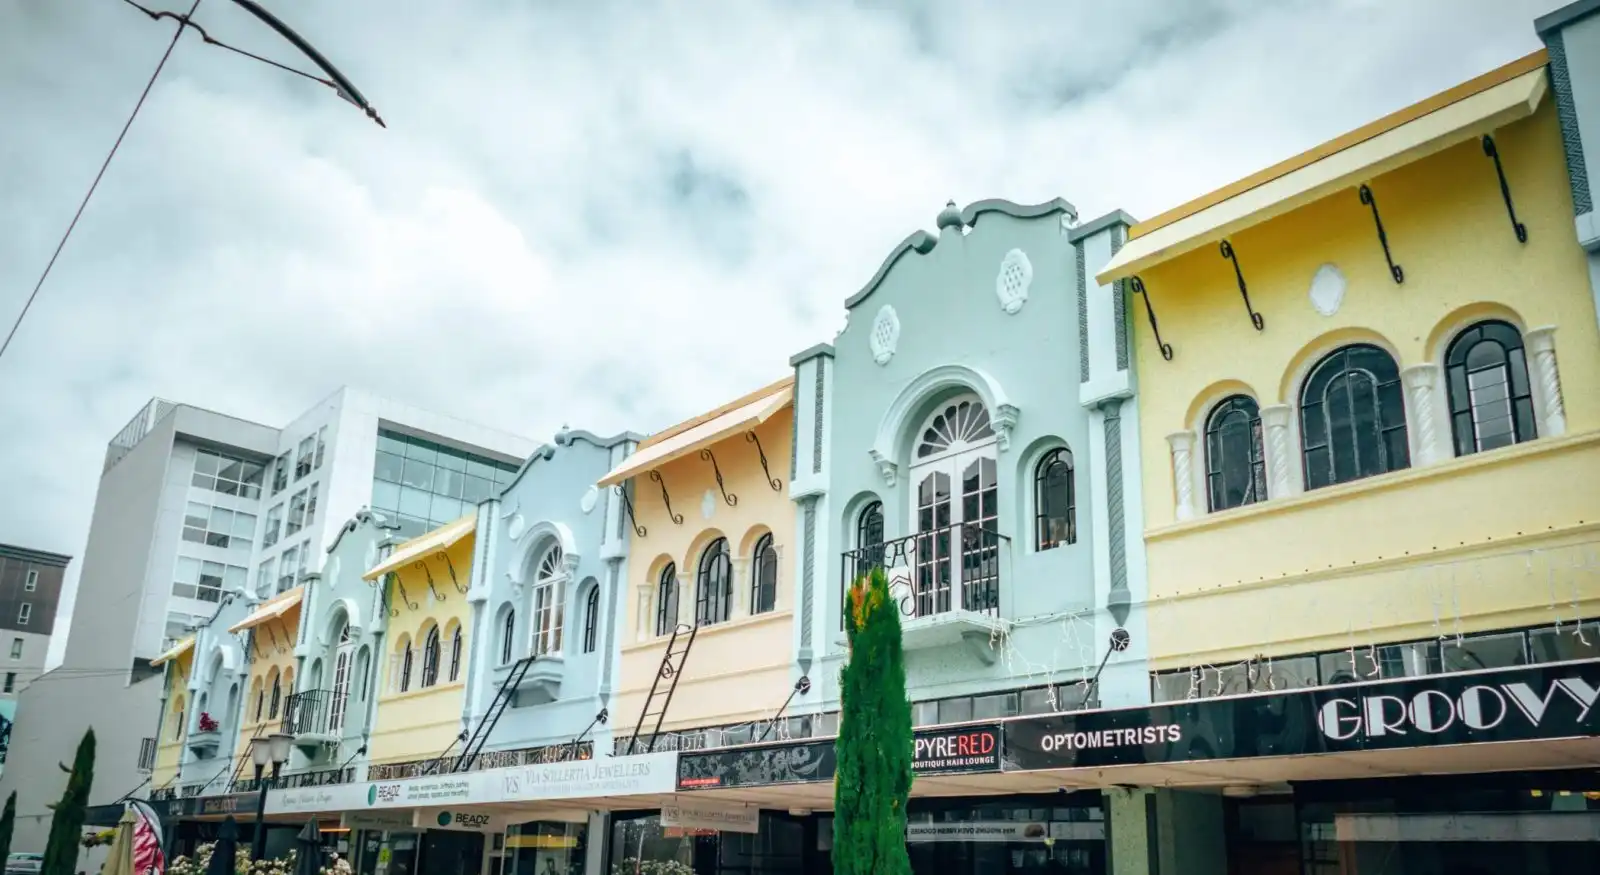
x: 147, y: 754
x: 321, y: 778
x: 314, y: 718
x: 203, y: 743
x: 946, y: 582
x: 540, y: 685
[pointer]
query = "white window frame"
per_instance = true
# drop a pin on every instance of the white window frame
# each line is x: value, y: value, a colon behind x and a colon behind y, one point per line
x: 32, y: 582
x: 950, y: 463
x: 24, y: 613
x: 549, y: 589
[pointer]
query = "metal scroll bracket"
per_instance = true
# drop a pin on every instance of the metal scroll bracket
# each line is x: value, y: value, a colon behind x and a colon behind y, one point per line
x: 405, y: 597
x: 1395, y: 270
x: 627, y: 504
x: 775, y: 483
x: 1228, y: 253
x: 454, y: 580
x: 423, y: 564
x: 677, y: 518
x: 1493, y: 152
x: 1137, y: 285
x: 730, y: 498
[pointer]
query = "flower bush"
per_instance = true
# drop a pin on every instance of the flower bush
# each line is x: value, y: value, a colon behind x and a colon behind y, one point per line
x: 207, y: 722
x: 95, y: 839
x: 635, y: 866
x: 243, y: 865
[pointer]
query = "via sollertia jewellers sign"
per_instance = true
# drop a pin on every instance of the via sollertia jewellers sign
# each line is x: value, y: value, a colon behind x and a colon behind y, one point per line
x: 606, y: 776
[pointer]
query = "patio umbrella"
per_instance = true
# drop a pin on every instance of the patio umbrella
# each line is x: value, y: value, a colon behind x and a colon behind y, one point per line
x: 308, y: 850
x: 120, y: 860
x: 226, y: 849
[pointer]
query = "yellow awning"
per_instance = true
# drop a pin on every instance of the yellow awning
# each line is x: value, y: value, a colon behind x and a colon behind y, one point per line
x: 271, y: 609
x: 746, y: 416
x: 1466, y: 112
x: 177, y: 650
x: 423, y: 546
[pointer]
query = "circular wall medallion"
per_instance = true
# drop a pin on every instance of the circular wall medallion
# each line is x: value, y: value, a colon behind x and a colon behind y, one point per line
x: 1327, y: 289
x: 1012, y: 283
x: 591, y: 497
x: 885, y: 335
x: 516, y: 527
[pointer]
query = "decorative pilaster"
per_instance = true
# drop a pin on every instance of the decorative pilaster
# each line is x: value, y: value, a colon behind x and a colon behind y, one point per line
x: 1182, y: 444
x: 1276, y: 419
x: 1422, y: 391
x: 1553, y: 414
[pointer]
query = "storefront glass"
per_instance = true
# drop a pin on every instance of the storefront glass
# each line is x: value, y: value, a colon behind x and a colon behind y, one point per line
x: 541, y: 847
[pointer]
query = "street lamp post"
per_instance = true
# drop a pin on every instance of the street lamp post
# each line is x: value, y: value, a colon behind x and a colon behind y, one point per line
x: 273, y: 749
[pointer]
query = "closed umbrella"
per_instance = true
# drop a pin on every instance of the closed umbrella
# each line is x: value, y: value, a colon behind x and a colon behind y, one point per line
x: 226, y: 849
x: 120, y: 861
x: 308, y: 850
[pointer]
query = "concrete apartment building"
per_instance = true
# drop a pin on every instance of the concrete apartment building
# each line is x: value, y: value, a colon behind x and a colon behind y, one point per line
x: 195, y: 509
x: 30, y: 589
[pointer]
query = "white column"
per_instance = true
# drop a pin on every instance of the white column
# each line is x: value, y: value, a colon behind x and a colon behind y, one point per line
x: 1182, y: 444
x: 1422, y: 391
x: 1275, y: 420
x: 1547, y: 381
x: 740, y: 569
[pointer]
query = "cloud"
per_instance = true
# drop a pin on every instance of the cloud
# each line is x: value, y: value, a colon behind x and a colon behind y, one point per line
x: 613, y: 215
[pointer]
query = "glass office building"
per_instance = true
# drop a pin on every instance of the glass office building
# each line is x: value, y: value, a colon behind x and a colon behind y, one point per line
x: 423, y: 485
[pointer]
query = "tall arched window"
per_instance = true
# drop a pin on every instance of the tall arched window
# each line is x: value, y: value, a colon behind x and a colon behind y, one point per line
x: 430, y: 658
x: 1055, y: 504
x: 405, y: 666
x: 364, y: 674
x: 343, y: 659
x: 277, y: 696
x: 1236, y: 469
x: 714, y: 584
x: 455, y: 655
x: 591, y: 618
x: 1491, y: 401
x: 508, y: 637
x: 1352, y: 417
x: 667, y: 600
x: 548, y: 597
x: 260, y: 698
x: 764, y: 576
x: 955, y: 504
x: 177, y: 719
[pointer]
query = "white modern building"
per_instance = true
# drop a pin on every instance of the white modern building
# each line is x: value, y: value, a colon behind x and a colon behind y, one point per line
x: 195, y: 508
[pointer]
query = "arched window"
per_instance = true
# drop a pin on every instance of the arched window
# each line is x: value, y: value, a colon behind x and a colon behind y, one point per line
x: 714, y: 584
x: 764, y: 576
x: 955, y: 508
x: 591, y: 618
x: 1352, y: 417
x: 508, y: 637
x: 1491, y: 401
x: 667, y: 600
x: 1055, y: 504
x: 405, y: 666
x: 430, y: 658
x: 177, y: 719
x: 548, y: 595
x: 1236, y: 469
x: 277, y: 696
x: 455, y: 655
x: 364, y: 674
x: 339, y: 696
x: 260, y: 699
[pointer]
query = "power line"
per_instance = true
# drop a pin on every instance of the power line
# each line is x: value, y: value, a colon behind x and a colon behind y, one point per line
x: 94, y: 185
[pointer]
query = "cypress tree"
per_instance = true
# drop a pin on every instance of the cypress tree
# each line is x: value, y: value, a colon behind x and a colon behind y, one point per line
x: 874, y: 748
x: 66, y: 827
x: 8, y: 825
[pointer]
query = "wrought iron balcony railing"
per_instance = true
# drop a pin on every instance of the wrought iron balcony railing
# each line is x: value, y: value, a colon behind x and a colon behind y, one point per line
x: 310, y: 712
x: 147, y: 754
x: 323, y: 778
x: 956, y: 567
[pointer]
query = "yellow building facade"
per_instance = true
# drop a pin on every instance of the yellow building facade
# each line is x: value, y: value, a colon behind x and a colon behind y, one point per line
x: 1370, y: 428
x: 274, y: 627
x: 179, y: 662
x: 709, y: 562
x: 423, y: 673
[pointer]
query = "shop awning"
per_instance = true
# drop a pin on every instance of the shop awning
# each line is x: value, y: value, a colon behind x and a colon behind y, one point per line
x: 1467, y: 111
x: 751, y: 413
x: 271, y: 609
x: 423, y: 546
x: 177, y: 650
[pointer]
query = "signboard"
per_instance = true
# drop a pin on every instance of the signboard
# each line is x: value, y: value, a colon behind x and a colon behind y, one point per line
x: 946, y: 750
x: 231, y: 804
x: 695, y: 815
x: 375, y: 820
x: 458, y: 820
x: 608, y: 776
x: 1516, y: 704
x: 1005, y: 831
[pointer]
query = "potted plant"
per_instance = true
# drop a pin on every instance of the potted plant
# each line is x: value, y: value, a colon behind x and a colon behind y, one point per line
x: 206, y: 737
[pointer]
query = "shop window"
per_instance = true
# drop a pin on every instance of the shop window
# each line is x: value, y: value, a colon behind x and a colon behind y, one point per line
x: 1565, y: 642
x: 1236, y: 467
x: 1352, y: 417
x: 667, y: 600
x: 1055, y: 506
x: 1491, y: 401
x: 1474, y: 652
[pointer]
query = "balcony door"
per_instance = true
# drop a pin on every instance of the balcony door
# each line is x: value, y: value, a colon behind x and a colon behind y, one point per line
x: 954, y: 512
x: 341, y: 681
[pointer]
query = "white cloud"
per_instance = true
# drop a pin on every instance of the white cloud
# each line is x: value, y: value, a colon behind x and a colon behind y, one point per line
x: 608, y: 215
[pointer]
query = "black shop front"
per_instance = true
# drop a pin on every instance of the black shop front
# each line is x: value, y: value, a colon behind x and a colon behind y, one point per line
x: 1437, y: 775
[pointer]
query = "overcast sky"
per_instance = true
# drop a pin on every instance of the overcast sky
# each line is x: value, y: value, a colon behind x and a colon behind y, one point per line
x: 613, y: 215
